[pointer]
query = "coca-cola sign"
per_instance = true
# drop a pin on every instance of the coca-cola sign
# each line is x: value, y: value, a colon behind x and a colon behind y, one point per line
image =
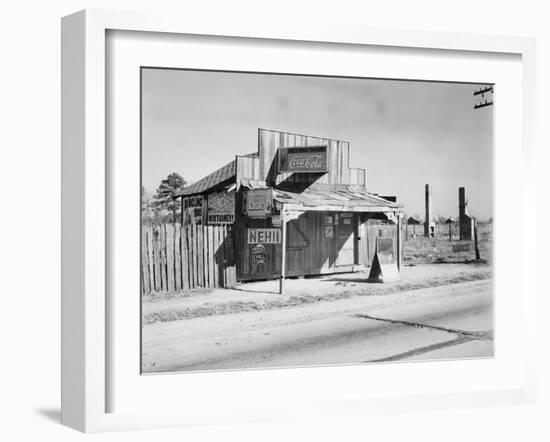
x: 311, y: 159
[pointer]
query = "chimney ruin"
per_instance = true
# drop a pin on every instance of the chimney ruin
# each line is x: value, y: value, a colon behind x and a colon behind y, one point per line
x: 429, y: 226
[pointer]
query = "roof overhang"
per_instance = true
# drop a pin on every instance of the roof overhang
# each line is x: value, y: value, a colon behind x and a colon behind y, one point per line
x: 335, y: 201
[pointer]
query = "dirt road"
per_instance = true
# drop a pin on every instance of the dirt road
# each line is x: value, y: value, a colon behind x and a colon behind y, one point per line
x: 454, y: 320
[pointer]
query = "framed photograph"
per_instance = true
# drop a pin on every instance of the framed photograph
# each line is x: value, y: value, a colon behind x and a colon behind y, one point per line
x: 266, y: 222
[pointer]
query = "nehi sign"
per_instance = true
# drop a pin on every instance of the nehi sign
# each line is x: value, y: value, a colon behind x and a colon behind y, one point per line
x: 311, y: 159
x: 264, y: 236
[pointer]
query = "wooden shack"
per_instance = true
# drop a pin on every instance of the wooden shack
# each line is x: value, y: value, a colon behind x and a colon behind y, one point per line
x: 295, y: 208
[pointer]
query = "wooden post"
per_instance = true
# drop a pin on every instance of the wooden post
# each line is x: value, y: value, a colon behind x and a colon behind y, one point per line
x: 283, y: 251
x: 478, y: 257
x: 399, y: 240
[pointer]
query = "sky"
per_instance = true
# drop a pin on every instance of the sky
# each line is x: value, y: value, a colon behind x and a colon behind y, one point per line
x: 404, y: 133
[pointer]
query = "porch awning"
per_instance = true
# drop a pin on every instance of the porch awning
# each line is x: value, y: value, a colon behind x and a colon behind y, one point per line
x: 335, y: 201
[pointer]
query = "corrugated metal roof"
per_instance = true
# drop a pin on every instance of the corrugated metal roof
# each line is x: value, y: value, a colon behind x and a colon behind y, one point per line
x: 216, y: 178
x: 345, y: 200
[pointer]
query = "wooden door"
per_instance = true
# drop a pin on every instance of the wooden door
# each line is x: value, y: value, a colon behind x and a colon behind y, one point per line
x: 298, y: 243
x: 344, y: 239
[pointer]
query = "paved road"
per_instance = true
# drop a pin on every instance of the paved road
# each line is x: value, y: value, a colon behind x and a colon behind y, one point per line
x: 435, y: 323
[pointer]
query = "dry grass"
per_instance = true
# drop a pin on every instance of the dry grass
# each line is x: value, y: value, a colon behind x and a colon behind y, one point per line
x: 422, y: 250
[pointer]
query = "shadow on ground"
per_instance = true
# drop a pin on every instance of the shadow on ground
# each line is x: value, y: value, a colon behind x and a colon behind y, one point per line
x: 51, y: 414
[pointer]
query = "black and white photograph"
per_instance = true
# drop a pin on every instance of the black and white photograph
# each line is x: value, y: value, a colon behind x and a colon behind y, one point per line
x: 299, y: 221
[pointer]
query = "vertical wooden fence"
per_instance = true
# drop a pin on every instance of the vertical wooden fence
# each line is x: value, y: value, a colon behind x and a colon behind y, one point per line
x: 176, y: 257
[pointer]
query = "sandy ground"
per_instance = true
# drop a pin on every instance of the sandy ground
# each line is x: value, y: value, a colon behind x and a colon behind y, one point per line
x: 443, y: 321
x: 264, y: 295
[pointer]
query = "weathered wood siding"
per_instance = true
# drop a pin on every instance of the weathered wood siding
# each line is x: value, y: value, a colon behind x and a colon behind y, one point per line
x: 338, y: 159
x: 309, y: 250
x: 247, y: 168
x: 263, y: 167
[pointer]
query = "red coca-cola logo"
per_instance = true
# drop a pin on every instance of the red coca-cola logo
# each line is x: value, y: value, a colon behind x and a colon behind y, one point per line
x: 306, y: 161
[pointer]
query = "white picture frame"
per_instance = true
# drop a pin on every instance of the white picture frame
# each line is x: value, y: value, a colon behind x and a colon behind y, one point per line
x: 85, y: 199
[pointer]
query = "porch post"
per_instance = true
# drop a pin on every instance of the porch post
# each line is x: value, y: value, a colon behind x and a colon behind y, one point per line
x: 283, y: 251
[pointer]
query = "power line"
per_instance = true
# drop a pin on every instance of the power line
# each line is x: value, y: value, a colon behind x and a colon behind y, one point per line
x: 484, y: 97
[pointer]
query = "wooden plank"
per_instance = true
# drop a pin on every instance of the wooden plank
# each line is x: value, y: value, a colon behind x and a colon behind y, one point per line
x: 143, y: 261
x: 219, y: 256
x: 221, y: 242
x: 184, y: 258
x: 192, y: 255
x: 189, y: 266
x: 150, y: 259
x: 200, y: 254
x: 146, y: 287
x: 196, y: 256
x: 216, y: 255
x: 170, y: 257
x: 232, y: 277
x: 212, y: 280
x: 163, y: 258
x: 177, y: 257
x: 212, y: 256
x: 226, y: 245
x: 156, y: 257
x: 206, y: 267
x: 208, y: 255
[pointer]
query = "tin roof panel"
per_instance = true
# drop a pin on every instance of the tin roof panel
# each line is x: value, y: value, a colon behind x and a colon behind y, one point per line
x: 216, y: 178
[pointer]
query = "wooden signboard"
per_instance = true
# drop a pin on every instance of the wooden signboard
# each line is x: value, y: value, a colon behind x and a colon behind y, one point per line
x: 195, y: 201
x: 259, y: 255
x: 384, y: 265
x: 264, y: 236
x: 258, y: 203
x: 311, y: 159
x: 221, y: 208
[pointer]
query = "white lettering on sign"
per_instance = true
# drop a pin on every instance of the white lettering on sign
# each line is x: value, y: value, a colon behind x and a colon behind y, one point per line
x: 306, y: 161
x: 258, y: 202
x: 264, y: 236
x: 257, y: 205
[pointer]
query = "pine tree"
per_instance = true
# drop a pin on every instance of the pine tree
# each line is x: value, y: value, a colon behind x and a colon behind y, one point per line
x: 164, y: 202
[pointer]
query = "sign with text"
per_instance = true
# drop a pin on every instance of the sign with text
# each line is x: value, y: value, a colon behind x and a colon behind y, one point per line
x: 259, y: 255
x: 312, y: 159
x: 264, y: 236
x: 258, y: 203
x: 192, y: 201
x: 384, y: 266
x: 221, y: 208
